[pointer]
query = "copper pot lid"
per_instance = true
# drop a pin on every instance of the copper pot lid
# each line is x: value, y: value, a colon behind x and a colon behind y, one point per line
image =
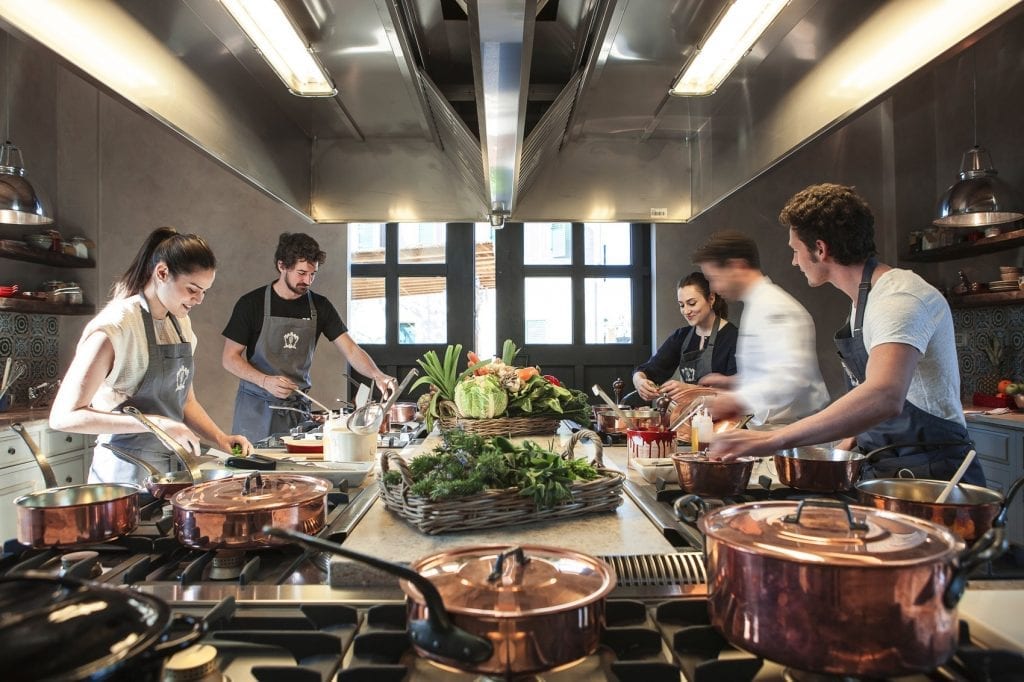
x: 828, y: 534
x: 254, y: 491
x: 540, y: 580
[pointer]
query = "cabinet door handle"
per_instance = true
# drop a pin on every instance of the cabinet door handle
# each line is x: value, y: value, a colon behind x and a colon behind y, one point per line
x: 67, y: 439
x: 68, y: 479
x: 11, y: 451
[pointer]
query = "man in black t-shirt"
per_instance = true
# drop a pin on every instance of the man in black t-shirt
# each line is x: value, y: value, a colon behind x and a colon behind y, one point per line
x: 270, y: 339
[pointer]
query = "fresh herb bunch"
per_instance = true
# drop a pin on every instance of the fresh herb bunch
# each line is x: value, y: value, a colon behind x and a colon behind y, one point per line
x: 465, y: 464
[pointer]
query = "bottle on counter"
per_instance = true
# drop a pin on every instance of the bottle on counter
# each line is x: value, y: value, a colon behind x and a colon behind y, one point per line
x: 701, y: 429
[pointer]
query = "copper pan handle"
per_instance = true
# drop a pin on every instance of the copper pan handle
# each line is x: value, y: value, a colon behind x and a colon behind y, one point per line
x: 126, y: 456
x: 49, y: 479
x: 191, y: 463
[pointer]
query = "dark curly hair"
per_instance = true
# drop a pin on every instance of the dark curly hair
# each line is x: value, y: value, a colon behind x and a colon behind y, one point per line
x: 697, y: 279
x: 836, y: 215
x: 295, y: 246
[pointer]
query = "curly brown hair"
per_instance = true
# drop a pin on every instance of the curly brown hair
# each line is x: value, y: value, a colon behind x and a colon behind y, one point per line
x: 295, y: 246
x: 836, y: 215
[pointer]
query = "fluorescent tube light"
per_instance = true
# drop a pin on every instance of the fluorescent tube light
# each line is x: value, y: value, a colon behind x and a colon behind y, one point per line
x: 281, y: 44
x: 730, y: 39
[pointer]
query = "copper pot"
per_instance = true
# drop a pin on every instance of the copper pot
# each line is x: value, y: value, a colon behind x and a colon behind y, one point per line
x: 819, y: 468
x: 827, y: 588
x: 231, y: 513
x: 712, y: 478
x: 400, y: 413
x: 73, y: 514
x: 969, y: 511
x: 498, y: 610
x: 641, y: 417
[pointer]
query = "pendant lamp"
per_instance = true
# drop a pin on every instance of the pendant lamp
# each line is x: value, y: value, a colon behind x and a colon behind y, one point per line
x: 980, y: 198
x: 19, y: 203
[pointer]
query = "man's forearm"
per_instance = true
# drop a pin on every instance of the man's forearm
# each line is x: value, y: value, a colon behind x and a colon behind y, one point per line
x: 242, y: 369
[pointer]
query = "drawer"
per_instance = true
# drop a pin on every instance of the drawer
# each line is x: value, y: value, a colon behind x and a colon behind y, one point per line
x: 993, y: 445
x: 69, y: 469
x: 58, y: 442
x: 13, y: 449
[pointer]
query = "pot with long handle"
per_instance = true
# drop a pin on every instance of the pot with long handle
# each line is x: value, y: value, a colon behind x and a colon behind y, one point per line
x: 73, y: 514
x: 842, y: 590
x: 498, y: 610
x: 969, y: 511
x: 160, y: 485
x: 819, y: 468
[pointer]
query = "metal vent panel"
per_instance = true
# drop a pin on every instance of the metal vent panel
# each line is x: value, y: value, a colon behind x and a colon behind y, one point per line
x: 459, y: 145
x: 659, y: 570
x: 545, y: 139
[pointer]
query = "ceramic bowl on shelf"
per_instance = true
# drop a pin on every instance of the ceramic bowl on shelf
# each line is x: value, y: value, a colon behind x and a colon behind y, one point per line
x: 1018, y: 400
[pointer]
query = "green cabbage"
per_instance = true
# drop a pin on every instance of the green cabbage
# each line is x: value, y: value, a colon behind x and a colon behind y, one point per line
x: 481, y: 397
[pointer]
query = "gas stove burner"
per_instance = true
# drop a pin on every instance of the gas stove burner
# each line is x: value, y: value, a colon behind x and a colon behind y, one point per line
x: 197, y: 663
x: 227, y: 564
x: 83, y: 564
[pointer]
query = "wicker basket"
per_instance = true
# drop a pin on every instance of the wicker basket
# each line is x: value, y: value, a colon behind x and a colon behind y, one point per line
x: 501, y: 426
x: 494, y: 508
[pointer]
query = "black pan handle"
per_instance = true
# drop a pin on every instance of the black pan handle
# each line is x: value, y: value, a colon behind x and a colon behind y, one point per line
x: 1000, y: 519
x: 438, y: 634
x: 989, y: 546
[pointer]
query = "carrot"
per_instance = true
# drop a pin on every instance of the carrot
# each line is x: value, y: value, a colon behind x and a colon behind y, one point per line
x: 473, y: 357
x: 527, y: 373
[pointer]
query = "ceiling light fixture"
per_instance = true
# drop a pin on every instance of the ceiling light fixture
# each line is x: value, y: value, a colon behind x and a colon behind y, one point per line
x: 279, y: 41
x: 978, y: 198
x: 19, y: 204
x: 732, y: 37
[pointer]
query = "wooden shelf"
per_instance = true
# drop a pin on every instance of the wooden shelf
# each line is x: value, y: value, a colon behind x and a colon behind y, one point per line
x: 1007, y: 240
x: 988, y: 299
x: 15, y: 250
x: 28, y: 305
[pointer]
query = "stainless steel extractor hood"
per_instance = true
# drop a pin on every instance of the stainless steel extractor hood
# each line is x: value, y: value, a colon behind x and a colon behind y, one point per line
x: 591, y: 132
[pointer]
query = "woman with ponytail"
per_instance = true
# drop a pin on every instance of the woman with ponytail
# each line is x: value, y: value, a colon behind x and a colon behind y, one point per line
x: 138, y: 351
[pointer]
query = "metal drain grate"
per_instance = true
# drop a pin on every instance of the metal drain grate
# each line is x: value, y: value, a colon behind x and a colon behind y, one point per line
x: 659, y: 570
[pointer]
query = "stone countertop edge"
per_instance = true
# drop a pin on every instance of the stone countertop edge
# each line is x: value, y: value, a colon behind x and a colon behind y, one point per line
x: 24, y: 415
x: 1014, y: 420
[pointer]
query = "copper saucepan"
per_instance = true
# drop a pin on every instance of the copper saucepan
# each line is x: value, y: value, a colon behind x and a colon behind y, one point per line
x: 73, y: 514
x: 700, y: 475
x: 818, y: 468
x: 230, y: 513
x: 160, y: 485
x: 498, y: 610
x: 842, y: 590
x: 969, y: 511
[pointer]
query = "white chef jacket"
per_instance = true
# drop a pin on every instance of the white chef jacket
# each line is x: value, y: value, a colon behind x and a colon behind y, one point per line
x: 778, y: 378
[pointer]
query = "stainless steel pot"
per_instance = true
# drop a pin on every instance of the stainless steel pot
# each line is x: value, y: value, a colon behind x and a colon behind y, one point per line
x: 969, y: 511
x: 818, y: 468
x: 73, y: 514
x: 609, y: 422
x: 61, y: 628
x: 826, y: 588
x: 712, y: 478
x: 230, y: 513
x: 499, y: 610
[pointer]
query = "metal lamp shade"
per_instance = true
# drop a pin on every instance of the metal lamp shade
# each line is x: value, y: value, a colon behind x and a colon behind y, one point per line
x: 19, y: 204
x: 979, y: 198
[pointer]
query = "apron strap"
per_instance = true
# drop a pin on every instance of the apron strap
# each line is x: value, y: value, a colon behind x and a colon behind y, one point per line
x: 862, y: 295
x: 266, y: 306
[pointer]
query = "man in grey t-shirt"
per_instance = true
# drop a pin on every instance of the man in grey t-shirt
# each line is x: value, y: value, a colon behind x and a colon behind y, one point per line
x: 897, y: 350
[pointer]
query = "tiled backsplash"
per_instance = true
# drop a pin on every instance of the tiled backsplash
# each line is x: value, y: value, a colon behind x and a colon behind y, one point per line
x: 32, y: 339
x: 976, y: 326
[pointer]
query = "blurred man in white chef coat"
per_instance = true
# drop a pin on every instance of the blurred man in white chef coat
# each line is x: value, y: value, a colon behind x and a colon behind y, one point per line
x: 778, y: 379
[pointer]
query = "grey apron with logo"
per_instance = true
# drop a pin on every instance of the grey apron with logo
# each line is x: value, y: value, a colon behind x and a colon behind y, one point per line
x: 163, y: 391
x: 697, y: 363
x: 926, y: 445
x: 285, y: 347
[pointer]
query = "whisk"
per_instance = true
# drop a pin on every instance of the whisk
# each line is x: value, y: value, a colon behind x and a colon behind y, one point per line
x: 18, y: 370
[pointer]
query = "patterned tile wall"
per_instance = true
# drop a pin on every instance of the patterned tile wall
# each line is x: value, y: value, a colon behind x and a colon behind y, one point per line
x: 977, y: 327
x: 32, y: 340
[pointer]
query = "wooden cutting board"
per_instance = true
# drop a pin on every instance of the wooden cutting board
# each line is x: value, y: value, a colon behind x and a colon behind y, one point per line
x: 284, y: 454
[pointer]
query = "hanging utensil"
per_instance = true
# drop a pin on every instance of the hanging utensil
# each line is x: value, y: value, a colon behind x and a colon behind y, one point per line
x: 368, y: 418
x: 18, y: 371
x: 598, y: 391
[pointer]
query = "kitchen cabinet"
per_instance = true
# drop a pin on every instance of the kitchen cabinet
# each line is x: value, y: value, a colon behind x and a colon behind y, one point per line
x: 16, y: 250
x: 69, y: 454
x: 1001, y: 451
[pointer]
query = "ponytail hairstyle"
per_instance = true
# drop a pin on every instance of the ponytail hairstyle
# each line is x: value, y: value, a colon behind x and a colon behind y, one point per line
x: 183, y: 254
x: 697, y: 279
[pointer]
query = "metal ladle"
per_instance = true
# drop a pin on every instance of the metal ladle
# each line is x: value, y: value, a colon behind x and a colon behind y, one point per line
x: 437, y: 634
x: 368, y: 418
